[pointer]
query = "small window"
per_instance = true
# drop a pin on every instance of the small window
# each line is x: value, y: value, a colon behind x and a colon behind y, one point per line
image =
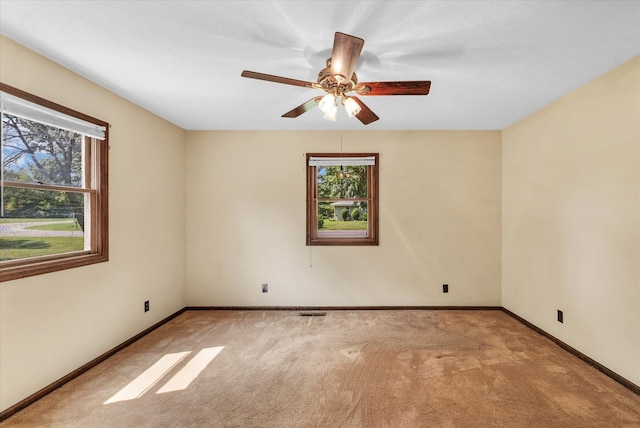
x: 53, y: 187
x: 342, y: 199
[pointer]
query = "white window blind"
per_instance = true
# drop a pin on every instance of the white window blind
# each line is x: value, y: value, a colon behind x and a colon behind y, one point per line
x: 342, y: 161
x: 27, y: 110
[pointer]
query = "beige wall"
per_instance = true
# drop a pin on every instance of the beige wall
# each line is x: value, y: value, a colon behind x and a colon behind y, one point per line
x: 439, y: 221
x: 571, y: 219
x: 52, y: 324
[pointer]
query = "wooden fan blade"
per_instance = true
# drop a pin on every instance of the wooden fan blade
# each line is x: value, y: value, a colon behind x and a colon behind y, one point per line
x: 277, y: 79
x: 366, y: 116
x: 303, y: 108
x: 346, y: 51
x: 413, y: 87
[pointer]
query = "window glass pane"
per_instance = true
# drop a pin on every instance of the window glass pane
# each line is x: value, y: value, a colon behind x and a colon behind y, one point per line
x: 41, y: 222
x: 343, y: 219
x: 54, y: 187
x: 342, y: 181
x: 342, y: 199
x: 37, y: 153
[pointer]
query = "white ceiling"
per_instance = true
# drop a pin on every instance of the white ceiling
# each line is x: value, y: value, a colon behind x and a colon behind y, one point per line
x: 491, y: 63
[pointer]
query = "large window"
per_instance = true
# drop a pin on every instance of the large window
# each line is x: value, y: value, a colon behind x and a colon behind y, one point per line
x: 53, y: 187
x: 342, y: 199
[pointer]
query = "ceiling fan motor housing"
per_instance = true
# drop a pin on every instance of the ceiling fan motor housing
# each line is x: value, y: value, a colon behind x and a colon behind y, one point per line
x: 333, y: 85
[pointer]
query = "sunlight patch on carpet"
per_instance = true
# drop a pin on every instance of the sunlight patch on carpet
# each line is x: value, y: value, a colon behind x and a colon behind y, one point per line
x: 191, y: 370
x: 137, y: 387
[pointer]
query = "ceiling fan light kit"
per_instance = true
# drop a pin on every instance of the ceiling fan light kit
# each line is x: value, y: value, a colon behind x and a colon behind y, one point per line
x: 337, y: 79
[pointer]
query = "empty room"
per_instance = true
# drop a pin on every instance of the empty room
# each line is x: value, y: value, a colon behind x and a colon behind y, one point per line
x: 320, y: 213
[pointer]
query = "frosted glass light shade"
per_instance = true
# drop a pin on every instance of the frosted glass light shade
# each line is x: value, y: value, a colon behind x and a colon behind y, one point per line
x: 331, y: 113
x: 351, y: 106
x: 327, y: 103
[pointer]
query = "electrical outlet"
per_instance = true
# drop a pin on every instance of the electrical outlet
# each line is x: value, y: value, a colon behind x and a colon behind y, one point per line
x: 560, y: 316
x: 445, y: 288
x: 265, y: 288
x: 146, y: 306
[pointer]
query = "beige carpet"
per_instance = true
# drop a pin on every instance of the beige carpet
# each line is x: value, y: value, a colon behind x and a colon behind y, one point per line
x: 387, y: 368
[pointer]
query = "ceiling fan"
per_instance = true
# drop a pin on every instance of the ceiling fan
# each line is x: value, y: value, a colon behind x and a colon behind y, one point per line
x: 338, y: 80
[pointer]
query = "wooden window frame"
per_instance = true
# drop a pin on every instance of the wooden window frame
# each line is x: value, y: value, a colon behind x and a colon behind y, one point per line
x: 97, y: 173
x: 372, y: 203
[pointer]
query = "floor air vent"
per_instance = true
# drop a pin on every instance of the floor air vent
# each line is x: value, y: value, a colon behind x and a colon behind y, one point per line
x: 312, y: 314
